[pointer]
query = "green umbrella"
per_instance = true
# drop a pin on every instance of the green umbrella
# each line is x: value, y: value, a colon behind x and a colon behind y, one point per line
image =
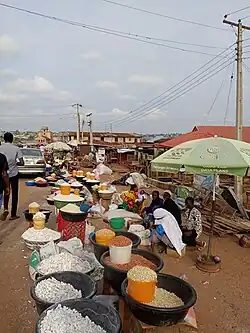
x: 206, y: 156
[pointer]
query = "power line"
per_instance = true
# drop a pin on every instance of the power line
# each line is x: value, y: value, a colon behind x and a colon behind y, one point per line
x: 173, y: 98
x: 164, y: 15
x: 237, y: 11
x: 216, y: 97
x: 161, y: 96
x: 246, y: 67
x: 229, y: 94
x: 127, y: 35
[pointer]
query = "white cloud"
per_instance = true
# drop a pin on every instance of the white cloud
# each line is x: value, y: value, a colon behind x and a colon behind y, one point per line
x: 106, y: 85
x: 155, y: 114
x: 38, y: 85
x: 118, y: 112
x: 145, y: 79
x: 8, y: 98
x: 91, y: 56
x: 127, y: 97
x: 8, y: 72
x: 8, y: 45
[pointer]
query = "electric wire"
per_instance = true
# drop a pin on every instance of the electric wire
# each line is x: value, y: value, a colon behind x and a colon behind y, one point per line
x: 160, y: 97
x: 229, y: 95
x: 126, y: 35
x: 238, y: 11
x: 173, y: 98
x: 164, y: 15
x: 216, y: 96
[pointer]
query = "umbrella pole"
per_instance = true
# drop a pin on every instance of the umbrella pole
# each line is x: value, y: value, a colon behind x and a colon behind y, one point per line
x: 210, y: 239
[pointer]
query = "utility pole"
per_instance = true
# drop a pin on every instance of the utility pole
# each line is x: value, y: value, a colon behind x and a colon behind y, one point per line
x: 238, y: 185
x: 90, y: 132
x: 78, y: 120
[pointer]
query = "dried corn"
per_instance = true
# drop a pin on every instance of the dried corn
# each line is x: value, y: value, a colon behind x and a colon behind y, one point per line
x: 165, y: 299
x: 142, y: 274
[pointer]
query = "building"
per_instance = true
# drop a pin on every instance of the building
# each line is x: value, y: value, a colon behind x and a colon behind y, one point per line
x: 202, y: 132
x: 44, y: 136
x: 120, y: 140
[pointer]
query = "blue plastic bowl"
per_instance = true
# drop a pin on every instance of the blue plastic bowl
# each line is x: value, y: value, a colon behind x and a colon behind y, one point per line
x: 30, y: 183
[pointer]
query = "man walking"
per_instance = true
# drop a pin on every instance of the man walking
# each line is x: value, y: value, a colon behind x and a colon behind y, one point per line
x: 14, y: 158
x: 4, y: 178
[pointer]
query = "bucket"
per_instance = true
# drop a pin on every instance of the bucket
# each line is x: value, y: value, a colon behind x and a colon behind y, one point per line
x: 104, y: 238
x: 74, y: 173
x: 65, y: 189
x: 142, y: 292
x: 39, y: 224
x: 117, y: 223
x: 120, y: 254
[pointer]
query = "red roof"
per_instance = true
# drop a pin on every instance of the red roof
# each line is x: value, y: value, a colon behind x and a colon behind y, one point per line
x: 202, y: 132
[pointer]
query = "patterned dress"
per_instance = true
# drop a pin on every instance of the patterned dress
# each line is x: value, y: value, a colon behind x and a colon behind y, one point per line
x: 193, y: 221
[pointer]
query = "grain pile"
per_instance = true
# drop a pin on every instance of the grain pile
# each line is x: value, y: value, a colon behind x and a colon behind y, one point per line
x: 142, y: 274
x: 54, y: 291
x: 120, y: 241
x: 165, y: 299
x: 63, y: 262
x: 136, y: 260
x: 65, y: 320
x: 43, y: 235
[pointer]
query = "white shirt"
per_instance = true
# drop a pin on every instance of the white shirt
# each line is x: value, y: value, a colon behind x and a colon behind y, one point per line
x: 12, y: 153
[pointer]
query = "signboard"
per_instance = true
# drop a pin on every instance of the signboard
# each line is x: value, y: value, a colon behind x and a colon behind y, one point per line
x: 100, y: 155
x: 205, y: 182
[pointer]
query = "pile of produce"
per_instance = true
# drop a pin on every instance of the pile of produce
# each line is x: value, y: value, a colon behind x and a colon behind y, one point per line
x: 76, y: 184
x: 63, y: 262
x: 71, y: 208
x: 62, y: 319
x: 165, y: 299
x: 142, y: 287
x: 104, y: 236
x: 136, y: 260
x: 120, y: 241
x: 54, y: 291
x: 43, y: 235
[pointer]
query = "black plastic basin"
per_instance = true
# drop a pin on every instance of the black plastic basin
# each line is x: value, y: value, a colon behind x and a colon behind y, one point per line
x: 79, y: 281
x: 74, y: 217
x: 115, y: 276
x: 163, y: 316
x: 29, y: 216
x: 100, y: 249
x: 103, y: 315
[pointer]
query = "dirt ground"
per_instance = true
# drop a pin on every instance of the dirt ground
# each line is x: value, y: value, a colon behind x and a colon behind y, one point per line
x: 223, y: 299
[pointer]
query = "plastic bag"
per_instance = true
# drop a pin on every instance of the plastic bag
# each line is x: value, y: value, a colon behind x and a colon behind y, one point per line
x: 48, y: 250
x: 103, y: 169
x: 72, y: 245
x: 35, y: 259
x: 89, y: 228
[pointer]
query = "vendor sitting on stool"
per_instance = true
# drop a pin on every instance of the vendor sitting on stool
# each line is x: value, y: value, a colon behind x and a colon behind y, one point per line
x: 192, y: 225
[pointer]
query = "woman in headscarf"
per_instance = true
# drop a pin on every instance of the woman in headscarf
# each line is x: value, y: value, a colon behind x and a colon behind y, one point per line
x: 171, y: 206
x: 167, y: 231
x: 147, y: 213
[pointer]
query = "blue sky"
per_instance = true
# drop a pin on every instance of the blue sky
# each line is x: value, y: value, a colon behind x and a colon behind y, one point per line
x: 45, y: 66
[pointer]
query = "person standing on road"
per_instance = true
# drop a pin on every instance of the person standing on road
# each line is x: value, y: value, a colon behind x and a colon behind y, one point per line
x: 14, y: 158
x: 4, y: 178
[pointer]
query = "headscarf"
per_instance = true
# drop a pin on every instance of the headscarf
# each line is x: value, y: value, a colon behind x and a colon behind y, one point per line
x: 171, y: 228
x: 169, y: 192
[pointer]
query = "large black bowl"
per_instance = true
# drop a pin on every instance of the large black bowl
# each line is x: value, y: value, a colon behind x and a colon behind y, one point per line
x: 100, y: 249
x: 103, y: 315
x: 163, y: 316
x: 116, y: 276
x: 29, y: 216
x: 79, y: 281
x: 74, y: 217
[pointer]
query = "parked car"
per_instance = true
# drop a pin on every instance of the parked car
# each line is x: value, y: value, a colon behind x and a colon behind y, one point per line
x: 34, y: 163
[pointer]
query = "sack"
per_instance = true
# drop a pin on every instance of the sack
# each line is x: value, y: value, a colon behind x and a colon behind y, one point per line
x: 103, y: 169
